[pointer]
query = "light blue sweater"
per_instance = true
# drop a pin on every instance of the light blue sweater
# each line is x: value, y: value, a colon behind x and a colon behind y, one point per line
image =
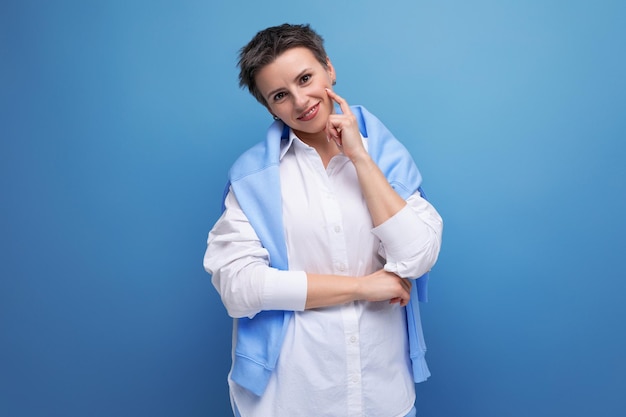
x: 255, y: 180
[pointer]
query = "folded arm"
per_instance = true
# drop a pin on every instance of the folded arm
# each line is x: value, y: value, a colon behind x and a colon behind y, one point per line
x: 240, y: 269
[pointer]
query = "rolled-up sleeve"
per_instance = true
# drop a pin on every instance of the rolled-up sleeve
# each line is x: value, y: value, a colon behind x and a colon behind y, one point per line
x: 411, y: 239
x: 240, y: 268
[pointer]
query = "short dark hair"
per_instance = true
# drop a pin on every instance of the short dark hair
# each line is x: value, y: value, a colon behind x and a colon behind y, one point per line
x: 268, y: 44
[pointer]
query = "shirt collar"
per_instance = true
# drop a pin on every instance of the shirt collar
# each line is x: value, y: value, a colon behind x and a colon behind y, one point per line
x: 287, y: 143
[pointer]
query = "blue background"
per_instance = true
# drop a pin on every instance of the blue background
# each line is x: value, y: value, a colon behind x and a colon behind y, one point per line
x: 119, y: 119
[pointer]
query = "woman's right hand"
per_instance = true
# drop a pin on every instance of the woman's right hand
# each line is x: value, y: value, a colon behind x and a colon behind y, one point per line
x: 330, y: 290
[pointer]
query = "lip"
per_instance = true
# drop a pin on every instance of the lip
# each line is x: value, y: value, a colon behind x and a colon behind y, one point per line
x: 310, y: 113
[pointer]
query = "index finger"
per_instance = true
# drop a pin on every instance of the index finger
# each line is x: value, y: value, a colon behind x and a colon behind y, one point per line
x: 343, y: 104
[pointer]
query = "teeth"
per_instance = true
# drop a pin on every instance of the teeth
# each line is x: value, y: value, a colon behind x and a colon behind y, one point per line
x: 309, y: 112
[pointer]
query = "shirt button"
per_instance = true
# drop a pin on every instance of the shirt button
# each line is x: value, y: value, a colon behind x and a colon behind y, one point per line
x: 341, y: 267
x: 337, y: 229
x: 355, y: 379
x: 352, y: 339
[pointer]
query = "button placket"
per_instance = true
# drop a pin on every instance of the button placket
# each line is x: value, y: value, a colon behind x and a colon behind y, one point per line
x: 337, y: 245
x: 336, y: 238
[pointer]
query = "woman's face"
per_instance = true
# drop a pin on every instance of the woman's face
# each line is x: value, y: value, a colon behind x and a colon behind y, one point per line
x: 294, y: 87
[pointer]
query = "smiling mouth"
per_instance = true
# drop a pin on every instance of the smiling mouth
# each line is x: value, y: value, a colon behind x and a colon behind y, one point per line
x: 309, y: 114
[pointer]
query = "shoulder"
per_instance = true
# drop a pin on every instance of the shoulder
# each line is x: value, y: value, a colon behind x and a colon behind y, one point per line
x: 369, y: 125
x: 260, y: 156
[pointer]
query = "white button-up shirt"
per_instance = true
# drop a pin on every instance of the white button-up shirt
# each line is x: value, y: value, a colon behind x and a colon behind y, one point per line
x: 346, y: 360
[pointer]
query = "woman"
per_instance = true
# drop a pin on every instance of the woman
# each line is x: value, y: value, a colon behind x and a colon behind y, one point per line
x: 323, y: 233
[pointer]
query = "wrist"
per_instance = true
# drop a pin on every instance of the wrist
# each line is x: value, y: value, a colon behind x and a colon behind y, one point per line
x: 362, y: 159
x: 360, y: 288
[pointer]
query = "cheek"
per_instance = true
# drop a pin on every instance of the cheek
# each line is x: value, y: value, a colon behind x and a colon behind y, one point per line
x: 284, y: 111
x: 328, y: 102
x: 328, y: 82
x: 276, y: 108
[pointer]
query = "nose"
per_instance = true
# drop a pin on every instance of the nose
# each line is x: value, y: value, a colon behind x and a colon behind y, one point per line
x: 300, y: 99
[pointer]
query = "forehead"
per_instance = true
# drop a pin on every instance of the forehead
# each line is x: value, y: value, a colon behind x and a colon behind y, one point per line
x: 287, y: 66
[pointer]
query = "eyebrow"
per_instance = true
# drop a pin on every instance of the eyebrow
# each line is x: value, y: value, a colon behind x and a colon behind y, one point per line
x: 300, y: 74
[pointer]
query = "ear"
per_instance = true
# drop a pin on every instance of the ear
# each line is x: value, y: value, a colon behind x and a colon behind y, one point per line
x: 331, y: 71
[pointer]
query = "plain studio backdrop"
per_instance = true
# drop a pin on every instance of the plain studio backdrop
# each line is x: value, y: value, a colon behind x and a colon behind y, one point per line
x: 119, y: 120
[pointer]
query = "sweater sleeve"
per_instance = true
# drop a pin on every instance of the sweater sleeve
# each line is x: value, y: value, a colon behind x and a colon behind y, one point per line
x: 241, y: 271
x: 411, y: 239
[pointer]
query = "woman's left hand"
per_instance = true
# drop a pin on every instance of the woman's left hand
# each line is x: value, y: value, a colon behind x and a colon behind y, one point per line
x: 344, y: 129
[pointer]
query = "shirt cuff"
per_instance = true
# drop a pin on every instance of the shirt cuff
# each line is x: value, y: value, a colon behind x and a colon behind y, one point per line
x: 400, y: 233
x: 285, y: 290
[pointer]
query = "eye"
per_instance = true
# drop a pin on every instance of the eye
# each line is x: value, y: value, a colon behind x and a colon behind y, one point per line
x: 305, y: 78
x: 279, y: 96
